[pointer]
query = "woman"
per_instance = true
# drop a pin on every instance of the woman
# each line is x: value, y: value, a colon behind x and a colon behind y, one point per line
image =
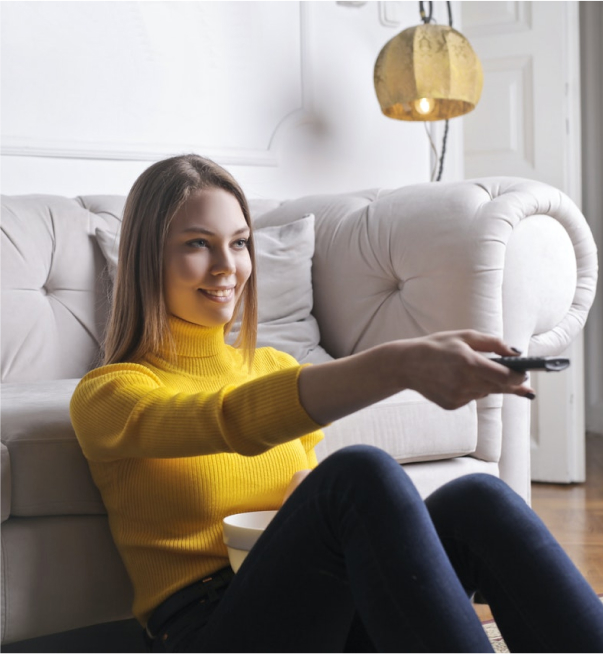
x: 181, y: 430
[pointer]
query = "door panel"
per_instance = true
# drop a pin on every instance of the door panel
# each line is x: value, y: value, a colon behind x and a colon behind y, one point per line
x: 527, y: 124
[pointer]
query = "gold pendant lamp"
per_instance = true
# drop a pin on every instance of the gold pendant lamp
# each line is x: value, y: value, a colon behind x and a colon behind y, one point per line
x: 428, y: 72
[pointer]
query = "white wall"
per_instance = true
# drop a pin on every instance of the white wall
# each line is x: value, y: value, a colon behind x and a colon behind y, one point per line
x: 280, y: 93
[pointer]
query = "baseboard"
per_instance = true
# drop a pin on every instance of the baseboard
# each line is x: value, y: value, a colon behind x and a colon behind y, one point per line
x: 594, y: 418
x: 122, y: 636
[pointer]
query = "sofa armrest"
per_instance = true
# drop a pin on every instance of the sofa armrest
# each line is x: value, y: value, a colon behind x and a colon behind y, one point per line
x: 509, y: 257
x: 506, y: 256
x: 435, y: 256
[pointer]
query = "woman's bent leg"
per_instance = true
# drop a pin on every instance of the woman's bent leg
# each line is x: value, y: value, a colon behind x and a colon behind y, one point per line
x: 354, y: 537
x: 498, y: 545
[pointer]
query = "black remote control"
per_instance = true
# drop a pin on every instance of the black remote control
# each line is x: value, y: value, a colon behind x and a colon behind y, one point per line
x: 550, y: 364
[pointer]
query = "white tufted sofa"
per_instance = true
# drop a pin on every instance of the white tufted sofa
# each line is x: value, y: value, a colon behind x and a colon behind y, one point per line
x: 507, y: 256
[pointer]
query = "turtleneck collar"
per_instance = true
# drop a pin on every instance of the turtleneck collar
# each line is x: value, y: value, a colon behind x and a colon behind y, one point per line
x: 194, y: 340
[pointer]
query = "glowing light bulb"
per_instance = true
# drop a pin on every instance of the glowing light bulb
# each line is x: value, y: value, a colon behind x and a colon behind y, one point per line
x: 424, y: 105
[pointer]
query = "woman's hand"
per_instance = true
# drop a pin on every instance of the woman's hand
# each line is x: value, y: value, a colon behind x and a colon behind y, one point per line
x: 447, y: 368
x: 296, y: 480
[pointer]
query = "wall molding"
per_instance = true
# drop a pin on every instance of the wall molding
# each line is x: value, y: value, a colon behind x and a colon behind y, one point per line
x: 305, y: 114
x: 506, y: 18
x: 20, y: 147
x: 520, y: 149
x: 390, y: 14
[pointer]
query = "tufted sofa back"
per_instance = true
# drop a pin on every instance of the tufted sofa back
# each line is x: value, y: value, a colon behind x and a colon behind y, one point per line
x: 54, y: 284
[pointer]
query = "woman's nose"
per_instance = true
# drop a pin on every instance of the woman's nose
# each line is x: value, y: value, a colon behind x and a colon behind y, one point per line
x: 223, y: 263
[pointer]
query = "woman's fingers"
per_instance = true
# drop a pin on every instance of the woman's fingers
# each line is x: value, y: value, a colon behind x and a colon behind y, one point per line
x: 485, y: 343
x: 508, y: 381
x: 463, y: 373
x: 502, y: 374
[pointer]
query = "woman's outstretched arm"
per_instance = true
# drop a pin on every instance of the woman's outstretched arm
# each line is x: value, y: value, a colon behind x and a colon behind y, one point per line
x: 447, y: 368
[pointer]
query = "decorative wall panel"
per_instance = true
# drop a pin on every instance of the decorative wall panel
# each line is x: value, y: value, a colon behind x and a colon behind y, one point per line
x: 153, y: 78
x: 281, y: 93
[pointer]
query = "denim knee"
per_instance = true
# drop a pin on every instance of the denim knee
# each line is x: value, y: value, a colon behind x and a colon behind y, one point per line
x: 361, y: 460
x: 474, y: 487
x: 368, y: 467
x: 475, y: 495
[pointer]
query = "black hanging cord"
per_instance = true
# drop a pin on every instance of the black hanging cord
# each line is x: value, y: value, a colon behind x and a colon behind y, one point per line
x: 439, y: 177
x: 426, y: 20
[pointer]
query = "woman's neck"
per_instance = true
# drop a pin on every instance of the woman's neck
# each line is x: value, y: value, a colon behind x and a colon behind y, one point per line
x: 191, y: 340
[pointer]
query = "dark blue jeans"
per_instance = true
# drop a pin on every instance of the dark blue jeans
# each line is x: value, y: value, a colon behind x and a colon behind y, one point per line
x: 355, y: 561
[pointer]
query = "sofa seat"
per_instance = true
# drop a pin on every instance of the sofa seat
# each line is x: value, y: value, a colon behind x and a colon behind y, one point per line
x: 49, y: 476
x: 408, y: 427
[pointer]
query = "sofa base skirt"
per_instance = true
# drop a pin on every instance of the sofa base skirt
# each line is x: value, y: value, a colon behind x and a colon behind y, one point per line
x: 120, y: 636
x: 60, y: 573
x: 430, y: 475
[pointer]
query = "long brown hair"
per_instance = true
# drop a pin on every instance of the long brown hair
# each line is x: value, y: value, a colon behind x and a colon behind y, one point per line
x: 138, y: 322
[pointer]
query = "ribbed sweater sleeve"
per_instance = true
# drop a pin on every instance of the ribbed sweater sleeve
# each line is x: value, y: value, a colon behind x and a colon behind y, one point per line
x: 125, y: 411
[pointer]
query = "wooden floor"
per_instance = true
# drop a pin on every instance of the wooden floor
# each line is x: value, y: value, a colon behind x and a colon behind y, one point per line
x: 574, y: 514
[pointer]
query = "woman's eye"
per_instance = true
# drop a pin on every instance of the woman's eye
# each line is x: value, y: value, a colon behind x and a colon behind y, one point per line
x: 241, y: 243
x: 198, y: 243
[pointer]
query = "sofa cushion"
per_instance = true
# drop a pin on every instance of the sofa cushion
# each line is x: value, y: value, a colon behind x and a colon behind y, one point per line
x: 408, y: 427
x: 108, y: 242
x: 49, y: 474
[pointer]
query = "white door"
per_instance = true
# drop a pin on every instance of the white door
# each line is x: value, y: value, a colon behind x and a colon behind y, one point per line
x: 527, y: 124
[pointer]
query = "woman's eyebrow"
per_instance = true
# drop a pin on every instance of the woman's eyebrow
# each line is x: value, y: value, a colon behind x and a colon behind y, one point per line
x: 204, y: 230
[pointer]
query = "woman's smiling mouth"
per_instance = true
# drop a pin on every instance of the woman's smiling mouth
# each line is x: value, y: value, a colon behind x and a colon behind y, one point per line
x: 222, y: 295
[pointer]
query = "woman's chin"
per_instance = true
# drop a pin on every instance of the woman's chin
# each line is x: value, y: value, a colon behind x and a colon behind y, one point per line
x: 204, y: 321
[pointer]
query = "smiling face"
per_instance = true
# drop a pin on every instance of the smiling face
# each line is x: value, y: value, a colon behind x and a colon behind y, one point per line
x: 206, y: 258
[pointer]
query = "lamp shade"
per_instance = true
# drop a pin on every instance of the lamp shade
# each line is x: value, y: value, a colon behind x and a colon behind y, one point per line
x: 428, y: 72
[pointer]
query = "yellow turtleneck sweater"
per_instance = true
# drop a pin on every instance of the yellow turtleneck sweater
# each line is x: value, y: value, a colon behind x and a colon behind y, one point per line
x: 174, y: 447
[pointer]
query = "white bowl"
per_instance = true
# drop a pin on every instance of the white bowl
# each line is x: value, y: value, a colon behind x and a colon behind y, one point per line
x: 241, y: 532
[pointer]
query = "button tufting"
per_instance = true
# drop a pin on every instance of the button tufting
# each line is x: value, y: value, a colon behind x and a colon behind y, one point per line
x: 401, y: 285
x: 44, y: 290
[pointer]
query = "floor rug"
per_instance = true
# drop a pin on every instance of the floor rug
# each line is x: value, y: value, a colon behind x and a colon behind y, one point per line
x: 496, y: 640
